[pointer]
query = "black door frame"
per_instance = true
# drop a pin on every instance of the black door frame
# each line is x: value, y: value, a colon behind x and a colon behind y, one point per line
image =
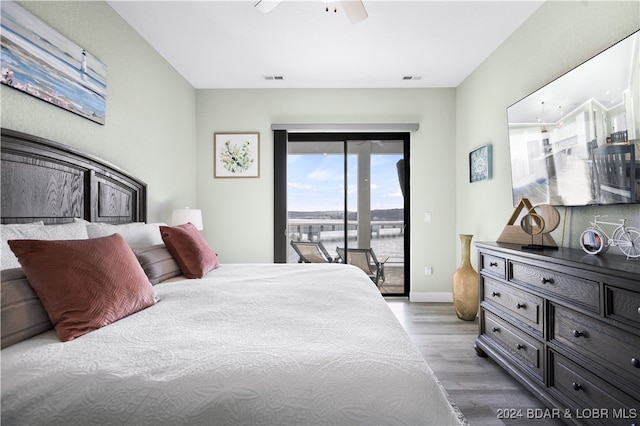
x: 280, y: 140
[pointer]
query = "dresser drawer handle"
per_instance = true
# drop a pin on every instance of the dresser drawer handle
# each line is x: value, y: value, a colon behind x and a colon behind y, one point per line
x: 493, y: 264
x: 576, y: 386
x: 547, y: 280
x: 577, y: 333
x: 495, y: 329
x: 521, y: 305
x: 635, y: 362
x: 520, y: 346
x: 495, y: 294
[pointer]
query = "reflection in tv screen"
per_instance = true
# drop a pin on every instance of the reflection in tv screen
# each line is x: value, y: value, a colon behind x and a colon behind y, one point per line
x: 576, y: 141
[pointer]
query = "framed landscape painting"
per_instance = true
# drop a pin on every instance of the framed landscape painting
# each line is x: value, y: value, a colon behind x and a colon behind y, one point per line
x: 236, y: 155
x: 41, y: 62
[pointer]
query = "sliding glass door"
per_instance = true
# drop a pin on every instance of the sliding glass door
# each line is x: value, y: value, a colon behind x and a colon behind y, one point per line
x: 316, y: 183
x: 347, y: 191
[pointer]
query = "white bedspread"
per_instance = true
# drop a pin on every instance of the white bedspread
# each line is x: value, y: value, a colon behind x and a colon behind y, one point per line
x: 247, y: 344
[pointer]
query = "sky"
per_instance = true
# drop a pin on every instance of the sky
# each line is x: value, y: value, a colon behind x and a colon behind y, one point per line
x: 316, y: 182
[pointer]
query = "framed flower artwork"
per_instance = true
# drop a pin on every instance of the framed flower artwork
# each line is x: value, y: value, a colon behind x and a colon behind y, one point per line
x: 480, y: 163
x: 236, y: 155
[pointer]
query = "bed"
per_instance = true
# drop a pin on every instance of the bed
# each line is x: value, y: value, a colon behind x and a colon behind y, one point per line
x: 243, y: 344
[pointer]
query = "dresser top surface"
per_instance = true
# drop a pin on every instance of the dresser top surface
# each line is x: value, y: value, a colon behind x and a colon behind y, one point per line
x: 609, y: 264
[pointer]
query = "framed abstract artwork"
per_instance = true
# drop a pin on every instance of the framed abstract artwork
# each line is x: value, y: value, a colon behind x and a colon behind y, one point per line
x: 480, y: 163
x: 236, y: 155
x: 41, y: 62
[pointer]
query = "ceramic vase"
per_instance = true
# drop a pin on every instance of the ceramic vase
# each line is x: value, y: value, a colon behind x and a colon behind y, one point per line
x: 465, y: 283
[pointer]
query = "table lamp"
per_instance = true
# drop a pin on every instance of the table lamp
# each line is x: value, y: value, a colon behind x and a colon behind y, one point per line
x: 182, y: 216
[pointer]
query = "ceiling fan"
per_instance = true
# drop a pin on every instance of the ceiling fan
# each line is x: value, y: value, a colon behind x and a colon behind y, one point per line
x: 354, y: 9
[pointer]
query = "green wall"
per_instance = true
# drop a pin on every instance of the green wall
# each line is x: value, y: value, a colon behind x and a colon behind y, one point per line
x: 559, y: 36
x: 159, y: 128
x: 240, y: 211
x: 150, y: 118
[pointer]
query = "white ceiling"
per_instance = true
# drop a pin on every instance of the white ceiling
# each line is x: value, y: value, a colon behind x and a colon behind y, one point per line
x: 230, y: 44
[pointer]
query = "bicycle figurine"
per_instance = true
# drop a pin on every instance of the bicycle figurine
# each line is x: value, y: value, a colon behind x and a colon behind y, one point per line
x: 594, y: 240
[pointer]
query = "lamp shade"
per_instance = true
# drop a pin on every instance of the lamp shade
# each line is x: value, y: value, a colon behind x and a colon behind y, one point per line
x: 182, y: 216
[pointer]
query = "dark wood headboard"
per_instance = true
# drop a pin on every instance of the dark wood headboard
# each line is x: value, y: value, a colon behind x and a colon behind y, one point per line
x: 49, y: 181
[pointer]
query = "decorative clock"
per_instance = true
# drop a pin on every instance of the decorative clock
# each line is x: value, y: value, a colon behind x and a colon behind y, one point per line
x: 480, y: 167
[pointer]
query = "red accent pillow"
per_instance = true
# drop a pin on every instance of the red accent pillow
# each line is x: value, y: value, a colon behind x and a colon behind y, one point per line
x: 84, y: 284
x: 189, y: 249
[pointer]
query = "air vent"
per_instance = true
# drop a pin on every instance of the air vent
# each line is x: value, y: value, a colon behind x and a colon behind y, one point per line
x: 273, y: 77
x: 411, y: 77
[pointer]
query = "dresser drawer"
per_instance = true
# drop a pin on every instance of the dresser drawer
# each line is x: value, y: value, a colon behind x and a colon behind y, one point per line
x: 493, y: 265
x: 573, y: 289
x: 590, y: 393
x: 522, y: 347
x: 623, y: 305
x: 518, y: 303
x: 613, y: 348
x: 576, y: 341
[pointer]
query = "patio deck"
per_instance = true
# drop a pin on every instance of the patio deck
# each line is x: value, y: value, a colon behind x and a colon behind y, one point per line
x: 394, y: 282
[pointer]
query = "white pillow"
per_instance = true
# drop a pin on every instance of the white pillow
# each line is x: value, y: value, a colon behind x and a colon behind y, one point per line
x: 136, y: 234
x: 9, y: 232
x: 37, y: 231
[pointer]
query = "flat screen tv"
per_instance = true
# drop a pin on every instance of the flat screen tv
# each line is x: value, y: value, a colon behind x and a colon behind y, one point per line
x: 576, y: 141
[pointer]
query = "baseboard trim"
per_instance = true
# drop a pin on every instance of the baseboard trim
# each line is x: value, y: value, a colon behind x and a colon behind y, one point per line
x: 437, y: 297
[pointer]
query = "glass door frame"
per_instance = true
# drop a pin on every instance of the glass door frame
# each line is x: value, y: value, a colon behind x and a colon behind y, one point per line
x: 280, y: 222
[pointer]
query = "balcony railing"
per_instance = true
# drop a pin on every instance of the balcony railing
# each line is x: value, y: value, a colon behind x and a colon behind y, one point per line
x: 386, y: 236
x: 332, y: 230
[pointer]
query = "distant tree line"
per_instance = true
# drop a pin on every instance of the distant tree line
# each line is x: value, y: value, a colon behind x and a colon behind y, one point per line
x: 383, y: 214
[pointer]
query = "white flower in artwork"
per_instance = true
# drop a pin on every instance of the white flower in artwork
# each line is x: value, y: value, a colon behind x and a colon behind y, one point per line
x: 236, y: 158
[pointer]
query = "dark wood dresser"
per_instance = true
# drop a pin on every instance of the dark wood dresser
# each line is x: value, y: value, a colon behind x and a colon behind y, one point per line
x: 567, y: 325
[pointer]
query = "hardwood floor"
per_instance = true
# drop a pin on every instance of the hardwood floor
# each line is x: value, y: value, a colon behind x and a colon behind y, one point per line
x: 478, y: 386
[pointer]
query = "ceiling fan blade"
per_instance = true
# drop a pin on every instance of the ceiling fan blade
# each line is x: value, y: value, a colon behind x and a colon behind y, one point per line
x: 266, y: 6
x: 355, y: 11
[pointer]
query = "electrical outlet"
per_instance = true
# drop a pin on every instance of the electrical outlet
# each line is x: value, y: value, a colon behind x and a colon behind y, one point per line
x: 428, y: 270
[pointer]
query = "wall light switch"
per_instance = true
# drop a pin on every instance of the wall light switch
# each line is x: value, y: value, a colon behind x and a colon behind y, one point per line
x: 427, y: 217
x: 428, y: 270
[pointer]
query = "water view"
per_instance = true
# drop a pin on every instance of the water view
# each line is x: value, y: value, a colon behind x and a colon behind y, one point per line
x: 329, y: 190
x: 387, y: 236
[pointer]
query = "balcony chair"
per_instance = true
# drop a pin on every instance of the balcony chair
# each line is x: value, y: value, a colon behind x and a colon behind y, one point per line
x: 311, y: 252
x: 366, y: 260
